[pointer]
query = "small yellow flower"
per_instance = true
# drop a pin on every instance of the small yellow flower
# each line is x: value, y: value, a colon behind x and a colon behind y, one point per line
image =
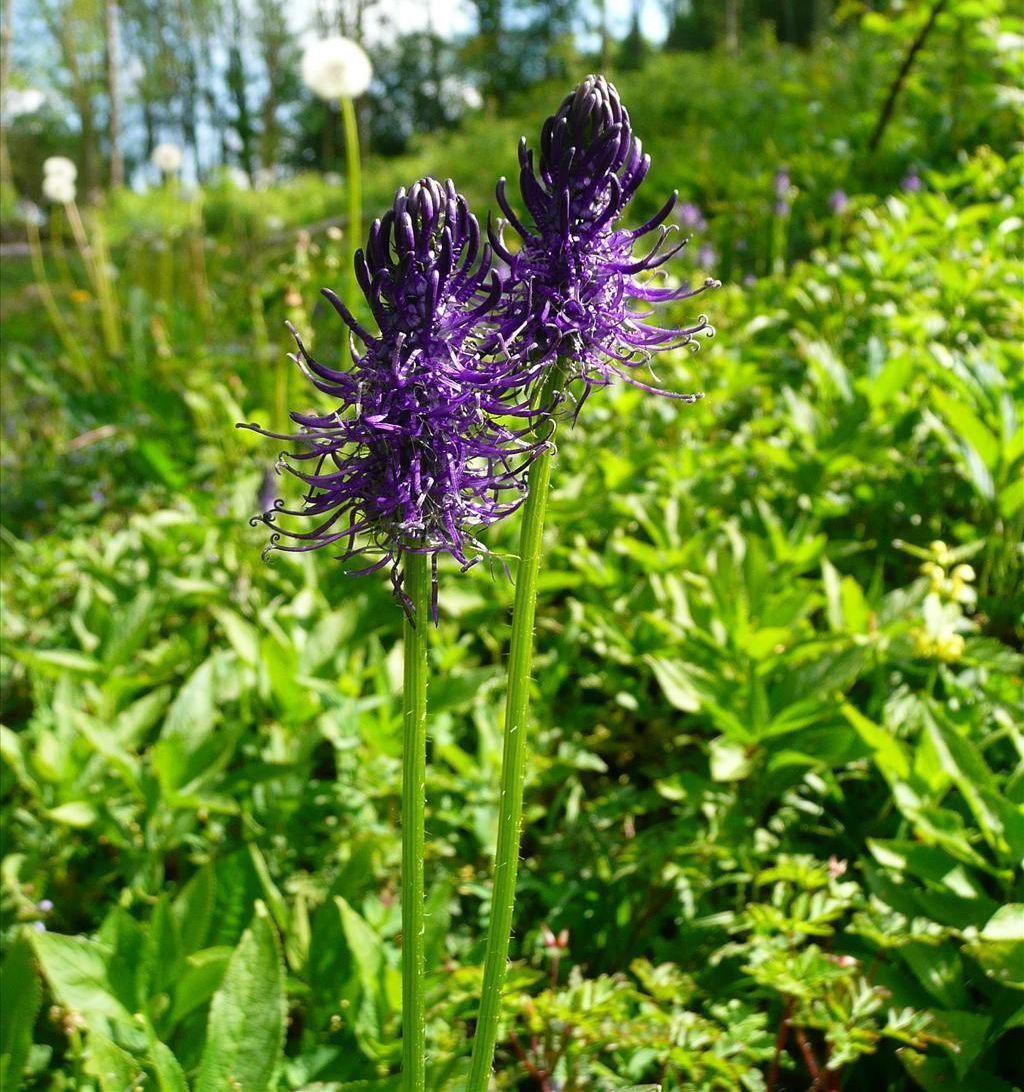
x: 79, y: 295
x: 950, y: 647
x: 940, y: 551
x: 937, y: 575
x: 924, y: 645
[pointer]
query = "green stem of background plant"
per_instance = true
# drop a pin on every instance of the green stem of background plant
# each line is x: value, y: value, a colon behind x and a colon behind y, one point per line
x: 414, y: 777
x: 353, y: 180
x: 513, y: 762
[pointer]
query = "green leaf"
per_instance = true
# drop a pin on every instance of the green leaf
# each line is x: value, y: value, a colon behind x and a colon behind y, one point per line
x: 969, y: 1031
x: 888, y: 752
x: 18, y: 979
x: 79, y: 973
x: 1000, y: 946
x: 967, y: 427
x: 675, y: 684
x: 245, y: 1030
x: 193, y: 909
x: 114, y: 1068
x: 200, y: 978
x: 170, y: 1077
x: 729, y: 760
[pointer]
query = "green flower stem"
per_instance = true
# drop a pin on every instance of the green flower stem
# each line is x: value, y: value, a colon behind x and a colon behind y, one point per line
x: 354, y: 182
x: 414, y: 777
x: 513, y: 767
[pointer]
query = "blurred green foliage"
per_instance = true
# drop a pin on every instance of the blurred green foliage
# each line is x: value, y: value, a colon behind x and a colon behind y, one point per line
x: 775, y: 811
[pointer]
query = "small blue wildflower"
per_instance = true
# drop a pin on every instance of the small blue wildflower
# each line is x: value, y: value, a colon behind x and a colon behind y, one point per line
x: 912, y: 182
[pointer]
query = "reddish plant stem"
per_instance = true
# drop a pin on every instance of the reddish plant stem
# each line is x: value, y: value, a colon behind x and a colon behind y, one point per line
x: 808, y: 1054
x: 780, y: 1043
x: 539, y: 1075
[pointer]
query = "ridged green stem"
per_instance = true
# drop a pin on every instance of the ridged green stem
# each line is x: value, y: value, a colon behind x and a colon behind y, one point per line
x: 414, y: 777
x: 513, y: 769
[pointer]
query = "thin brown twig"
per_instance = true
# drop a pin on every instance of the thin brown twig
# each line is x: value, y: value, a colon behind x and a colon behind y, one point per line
x: 539, y: 1075
x: 808, y: 1054
x: 897, y: 84
x: 780, y: 1043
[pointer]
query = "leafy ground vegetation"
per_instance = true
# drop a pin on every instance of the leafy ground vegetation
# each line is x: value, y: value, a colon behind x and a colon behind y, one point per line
x: 774, y: 823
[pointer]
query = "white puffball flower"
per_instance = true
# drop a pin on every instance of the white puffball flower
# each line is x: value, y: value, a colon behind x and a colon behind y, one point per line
x: 237, y: 177
x: 336, y: 68
x: 59, y: 189
x: 18, y: 101
x: 167, y: 157
x: 59, y: 166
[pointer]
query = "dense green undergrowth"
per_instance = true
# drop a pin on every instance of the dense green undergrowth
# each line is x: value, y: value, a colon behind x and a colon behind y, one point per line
x: 774, y: 822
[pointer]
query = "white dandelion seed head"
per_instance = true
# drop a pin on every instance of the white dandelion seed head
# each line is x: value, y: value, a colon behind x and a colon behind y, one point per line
x: 59, y: 188
x: 19, y: 101
x: 167, y: 157
x: 336, y: 68
x: 59, y: 166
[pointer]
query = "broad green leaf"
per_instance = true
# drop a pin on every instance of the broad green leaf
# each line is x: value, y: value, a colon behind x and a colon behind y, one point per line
x: 114, y: 1068
x: 675, y: 684
x: 969, y: 1031
x: 967, y: 426
x: 189, y: 751
x: 201, y: 976
x: 79, y: 973
x: 730, y: 761
x: 245, y: 1029
x: 193, y: 909
x: 887, y: 749
x: 18, y: 980
x: 170, y: 1077
x: 1000, y: 946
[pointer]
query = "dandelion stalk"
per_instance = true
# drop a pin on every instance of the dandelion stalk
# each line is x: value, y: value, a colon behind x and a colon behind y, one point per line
x: 96, y: 266
x: 50, y: 304
x: 355, y: 192
x: 414, y: 779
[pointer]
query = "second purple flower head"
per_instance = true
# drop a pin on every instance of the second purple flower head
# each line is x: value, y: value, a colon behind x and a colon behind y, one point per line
x: 583, y: 297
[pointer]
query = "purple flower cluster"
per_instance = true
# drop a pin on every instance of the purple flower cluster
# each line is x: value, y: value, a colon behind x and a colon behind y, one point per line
x: 416, y: 456
x: 574, y: 279
x: 440, y: 415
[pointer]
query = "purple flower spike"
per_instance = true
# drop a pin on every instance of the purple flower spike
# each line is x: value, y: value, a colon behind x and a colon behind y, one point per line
x: 577, y: 290
x: 912, y: 182
x: 690, y: 216
x: 838, y: 202
x: 414, y: 458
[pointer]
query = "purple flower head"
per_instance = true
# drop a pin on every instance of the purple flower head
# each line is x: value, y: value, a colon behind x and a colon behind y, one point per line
x: 414, y: 458
x: 838, y: 202
x: 912, y: 182
x: 783, y: 183
x: 578, y: 292
x: 690, y: 216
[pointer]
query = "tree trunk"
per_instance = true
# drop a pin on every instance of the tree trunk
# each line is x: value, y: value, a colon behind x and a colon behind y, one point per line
x: 6, y: 44
x: 114, y: 94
